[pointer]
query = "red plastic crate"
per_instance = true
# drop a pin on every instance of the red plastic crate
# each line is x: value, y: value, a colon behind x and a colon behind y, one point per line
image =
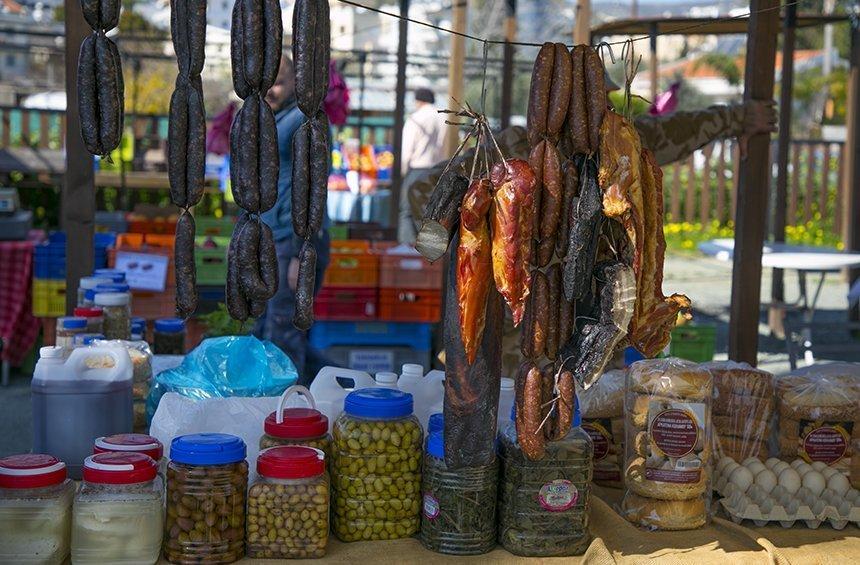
x: 346, y: 304
x: 409, y: 272
x: 410, y: 305
x: 160, y: 226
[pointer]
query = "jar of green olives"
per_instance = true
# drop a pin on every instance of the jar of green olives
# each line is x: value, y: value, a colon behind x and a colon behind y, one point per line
x: 459, y: 509
x: 288, y: 505
x: 207, y: 479
x: 297, y: 426
x: 544, y: 504
x: 376, y: 466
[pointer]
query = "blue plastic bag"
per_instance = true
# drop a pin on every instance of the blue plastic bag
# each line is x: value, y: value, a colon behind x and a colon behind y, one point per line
x: 226, y: 366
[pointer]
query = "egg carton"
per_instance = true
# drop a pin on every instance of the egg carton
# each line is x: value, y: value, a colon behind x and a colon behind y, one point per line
x: 781, y: 506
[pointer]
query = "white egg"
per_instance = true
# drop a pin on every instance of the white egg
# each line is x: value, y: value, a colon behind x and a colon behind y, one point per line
x: 803, y: 468
x: 723, y: 462
x: 789, y: 479
x: 771, y: 462
x: 766, y: 479
x: 756, y: 467
x: 742, y: 478
x: 838, y: 483
x: 814, y: 481
x: 729, y: 469
x: 746, y: 462
x: 780, y: 467
x: 797, y: 462
x: 829, y: 472
x: 819, y: 465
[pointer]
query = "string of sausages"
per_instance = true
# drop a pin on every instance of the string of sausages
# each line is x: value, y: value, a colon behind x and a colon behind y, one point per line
x: 100, y: 84
x: 186, y: 136
x: 255, y: 52
x: 311, y: 52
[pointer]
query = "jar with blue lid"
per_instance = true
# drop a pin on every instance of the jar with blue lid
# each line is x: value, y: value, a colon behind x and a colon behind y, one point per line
x: 207, y: 480
x: 115, y: 275
x: 169, y: 337
x: 376, y: 466
x: 458, y: 514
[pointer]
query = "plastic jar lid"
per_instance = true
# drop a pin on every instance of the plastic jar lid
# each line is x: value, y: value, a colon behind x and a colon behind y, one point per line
x: 51, y: 352
x: 436, y: 444
x: 138, y: 443
x: 119, y: 468
x: 84, y: 312
x: 111, y: 299
x: 31, y: 470
x: 207, y: 449
x: 436, y: 422
x: 138, y: 320
x: 299, y: 423
x: 170, y: 325
x: 113, y: 287
x: 378, y: 403
x: 113, y: 274
x: 88, y: 339
x: 412, y: 370
x: 88, y: 283
x: 291, y: 462
x: 72, y: 323
x: 507, y: 384
x: 386, y: 378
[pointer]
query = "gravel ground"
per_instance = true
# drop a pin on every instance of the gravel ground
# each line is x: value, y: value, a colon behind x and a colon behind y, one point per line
x: 706, y: 281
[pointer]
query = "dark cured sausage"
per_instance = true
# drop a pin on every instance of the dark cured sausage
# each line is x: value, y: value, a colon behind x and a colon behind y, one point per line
x: 555, y: 295
x: 301, y: 187
x: 270, y: 160
x: 581, y: 251
x: 311, y: 37
x: 186, y: 276
x: 244, y: 155
x: 87, y: 97
x: 303, y: 318
x: 528, y: 396
x: 577, y: 114
x: 441, y: 215
x: 559, y: 94
x: 539, y: 94
x: 257, y: 261
x: 595, y: 92
x: 570, y: 183
x: 537, y: 312
x: 319, y: 169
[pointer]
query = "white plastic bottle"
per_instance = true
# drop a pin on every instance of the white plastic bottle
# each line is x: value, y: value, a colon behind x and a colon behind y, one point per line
x: 506, y: 400
x: 424, y: 399
x: 329, y: 393
x: 386, y: 379
x: 436, y: 381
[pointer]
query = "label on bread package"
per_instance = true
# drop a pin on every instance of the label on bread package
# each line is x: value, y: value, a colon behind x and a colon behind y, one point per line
x: 824, y: 441
x: 606, y: 466
x: 676, y: 440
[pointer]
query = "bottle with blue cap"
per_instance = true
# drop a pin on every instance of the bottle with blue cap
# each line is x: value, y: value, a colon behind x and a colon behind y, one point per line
x: 458, y: 510
x: 207, y: 480
x: 544, y: 504
x: 169, y: 337
x: 376, y: 466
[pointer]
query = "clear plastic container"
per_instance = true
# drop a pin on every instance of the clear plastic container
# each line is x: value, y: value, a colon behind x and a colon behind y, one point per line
x: 133, y: 443
x: 207, y: 479
x: 85, y: 340
x: 117, y: 314
x: 35, y: 509
x: 118, y: 510
x: 94, y: 317
x: 67, y: 328
x: 288, y: 505
x: 297, y: 426
x: 459, y: 510
x: 544, y: 504
x: 169, y: 337
x: 89, y: 283
x: 376, y: 466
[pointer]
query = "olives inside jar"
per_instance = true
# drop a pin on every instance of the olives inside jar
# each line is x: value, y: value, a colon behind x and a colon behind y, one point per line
x: 297, y: 426
x: 376, y: 466
x: 207, y: 480
x: 288, y: 506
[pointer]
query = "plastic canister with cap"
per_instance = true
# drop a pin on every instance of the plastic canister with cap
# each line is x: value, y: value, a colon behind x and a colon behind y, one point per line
x: 296, y: 425
x: 386, y: 379
x: 75, y: 400
x: 89, y: 283
x: 331, y: 385
x: 67, y: 328
x: 426, y: 393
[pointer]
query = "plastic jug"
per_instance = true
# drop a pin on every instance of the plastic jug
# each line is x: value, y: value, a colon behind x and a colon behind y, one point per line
x: 329, y: 393
x: 437, y: 380
x: 79, y: 399
x: 427, y: 392
x: 506, y: 401
x: 385, y: 379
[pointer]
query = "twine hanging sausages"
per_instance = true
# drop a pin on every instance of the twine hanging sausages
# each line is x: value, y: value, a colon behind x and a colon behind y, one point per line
x: 311, y: 46
x: 255, y: 53
x: 100, y: 84
x: 186, y: 141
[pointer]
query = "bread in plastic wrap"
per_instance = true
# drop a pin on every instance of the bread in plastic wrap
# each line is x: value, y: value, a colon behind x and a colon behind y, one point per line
x: 668, y: 458
x: 602, y: 407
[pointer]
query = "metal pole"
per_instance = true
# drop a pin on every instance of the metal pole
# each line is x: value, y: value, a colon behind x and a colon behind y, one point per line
x: 78, y: 201
x: 851, y: 188
x: 399, y: 114
x: 508, y: 62
x: 753, y: 185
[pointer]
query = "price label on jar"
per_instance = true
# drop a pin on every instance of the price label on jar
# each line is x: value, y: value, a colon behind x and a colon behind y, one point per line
x: 558, y: 495
x: 431, y: 506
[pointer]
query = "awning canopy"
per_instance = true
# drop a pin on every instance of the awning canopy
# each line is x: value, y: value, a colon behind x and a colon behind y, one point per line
x: 698, y: 26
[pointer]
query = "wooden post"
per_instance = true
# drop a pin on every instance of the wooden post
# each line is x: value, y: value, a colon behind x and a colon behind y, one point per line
x: 399, y: 113
x: 753, y: 184
x: 582, y: 22
x: 851, y: 160
x: 777, y: 288
x: 455, y: 73
x: 78, y: 201
x: 508, y: 62
x: 653, y: 71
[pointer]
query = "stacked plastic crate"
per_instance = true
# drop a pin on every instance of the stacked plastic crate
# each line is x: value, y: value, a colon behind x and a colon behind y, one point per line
x: 149, y: 304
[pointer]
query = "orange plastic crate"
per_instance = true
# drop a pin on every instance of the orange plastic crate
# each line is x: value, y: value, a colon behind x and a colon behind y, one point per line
x: 410, y: 305
x: 152, y: 226
x: 409, y: 272
x: 352, y: 264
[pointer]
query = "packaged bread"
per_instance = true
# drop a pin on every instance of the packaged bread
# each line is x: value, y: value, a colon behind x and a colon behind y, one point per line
x: 667, y: 466
x: 602, y: 407
x: 742, y: 409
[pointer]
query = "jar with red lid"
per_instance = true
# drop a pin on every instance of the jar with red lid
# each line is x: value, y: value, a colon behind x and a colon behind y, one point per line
x: 118, y: 512
x: 133, y: 443
x: 288, y: 505
x: 296, y: 426
x: 35, y: 509
x: 94, y: 317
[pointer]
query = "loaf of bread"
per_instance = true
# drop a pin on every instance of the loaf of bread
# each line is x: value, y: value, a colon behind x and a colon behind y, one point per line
x: 656, y: 514
x: 677, y: 379
x: 602, y: 407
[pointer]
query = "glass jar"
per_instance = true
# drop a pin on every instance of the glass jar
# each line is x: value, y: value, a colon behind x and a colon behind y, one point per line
x: 376, y: 466
x: 117, y: 516
x: 89, y: 283
x: 207, y: 479
x: 133, y: 443
x: 288, y: 508
x: 459, y: 510
x: 93, y: 316
x: 169, y: 337
x: 117, y: 314
x: 35, y: 509
x: 544, y: 504
x: 67, y: 329
x: 138, y: 330
x: 297, y: 426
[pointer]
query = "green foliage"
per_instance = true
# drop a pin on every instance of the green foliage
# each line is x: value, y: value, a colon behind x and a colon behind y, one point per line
x: 723, y: 63
x: 219, y: 323
x: 638, y: 105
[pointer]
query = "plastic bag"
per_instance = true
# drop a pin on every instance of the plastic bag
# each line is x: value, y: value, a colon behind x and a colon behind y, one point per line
x: 667, y: 444
x: 742, y: 409
x: 226, y: 366
x: 602, y: 407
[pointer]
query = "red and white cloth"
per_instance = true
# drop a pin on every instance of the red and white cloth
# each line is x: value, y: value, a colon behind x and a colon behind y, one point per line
x: 18, y: 327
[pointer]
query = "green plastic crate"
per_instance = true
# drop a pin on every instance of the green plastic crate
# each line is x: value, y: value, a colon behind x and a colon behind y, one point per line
x: 694, y: 342
x: 338, y: 231
x: 209, y: 225
x: 211, y: 262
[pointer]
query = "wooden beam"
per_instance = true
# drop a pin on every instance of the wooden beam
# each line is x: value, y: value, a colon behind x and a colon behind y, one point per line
x: 754, y: 181
x: 582, y: 22
x: 399, y: 113
x: 508, y: 62
x: 654, y: 70
x: 455, y: 73
x: 78, y: 201
x: 851, y: 160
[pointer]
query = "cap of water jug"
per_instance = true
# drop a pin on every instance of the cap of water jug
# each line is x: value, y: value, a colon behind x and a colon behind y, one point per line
x: 386, y: 378
x: 412, y: 370
x: 51, y: 352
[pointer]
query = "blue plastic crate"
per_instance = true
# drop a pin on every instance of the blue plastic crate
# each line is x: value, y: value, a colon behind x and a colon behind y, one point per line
x: 49, y: 258
x: 388, y: 334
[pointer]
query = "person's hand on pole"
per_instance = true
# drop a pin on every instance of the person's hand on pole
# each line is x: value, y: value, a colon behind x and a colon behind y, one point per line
x: 759, y: 117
